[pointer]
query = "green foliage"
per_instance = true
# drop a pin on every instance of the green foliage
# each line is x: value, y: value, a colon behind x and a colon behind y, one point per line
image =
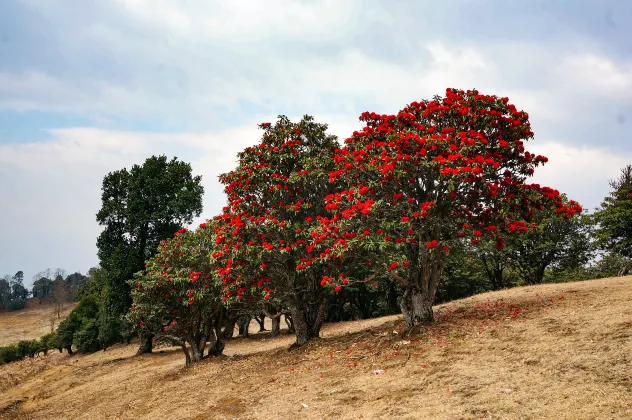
x: 109, y: 319
x: 16, y: 304
x: 42, y: 287
x: 30, y: 348
x: 614, y: 217
x: 94, y: 284
x: 559, y: 243
x: 463, y: 276
x: 74, y: 283
x: 9, y: 354
x: 49, y: 341
x: 140, y: 207
x: 85, y: 312
x: 86, y: 339
x: 65, y: 335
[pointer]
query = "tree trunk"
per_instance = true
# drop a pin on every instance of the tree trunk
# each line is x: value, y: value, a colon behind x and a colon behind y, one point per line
x: 187, y: 355
x: 218, y: 336
x: 419, y: 293
x: 416, y: 308
x: 290, y: 323
x: 307, y: 321
x: 216, y: 348
x: 197, y: 351
x: 229, y: 328
x: 244, y: 326
x: 499, y: 278
x: 145, y: 344
x: 276, y: 326
x: 261, y: 320
x: 627, y: 267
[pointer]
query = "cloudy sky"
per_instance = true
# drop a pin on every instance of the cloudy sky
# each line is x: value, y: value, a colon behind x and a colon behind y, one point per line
x: 91, y: 87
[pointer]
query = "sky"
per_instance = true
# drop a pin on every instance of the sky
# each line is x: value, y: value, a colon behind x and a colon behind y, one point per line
x: 91, y: 87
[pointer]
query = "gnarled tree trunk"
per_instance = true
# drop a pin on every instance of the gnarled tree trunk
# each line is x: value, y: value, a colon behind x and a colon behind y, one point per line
x: 228, y: 330
x: 261, y: 321
x: 244, y: 326
x: 420, y: 291
x: 307, y: 320
x: 276, y: 326
x: 289, y: 323
x: 416, y: 308
x: 146, y: 344
x: 218, y: 335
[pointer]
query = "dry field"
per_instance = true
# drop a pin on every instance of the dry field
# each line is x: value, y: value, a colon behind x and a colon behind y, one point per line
x: 559, y: 351
x: 32, y: 322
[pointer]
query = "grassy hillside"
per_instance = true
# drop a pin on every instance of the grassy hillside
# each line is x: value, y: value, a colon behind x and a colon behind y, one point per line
x: 29, y: 323
x: 552, y: 351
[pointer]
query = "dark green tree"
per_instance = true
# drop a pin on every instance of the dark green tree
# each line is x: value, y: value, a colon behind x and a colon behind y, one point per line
x: 84, y: 315
x: 141, y: 207
x: 74, y: 282
x: 42, y: 287
x: 558, y: 243
x: 614, y: 219
x: 18, y: 291
x: 5, y: 293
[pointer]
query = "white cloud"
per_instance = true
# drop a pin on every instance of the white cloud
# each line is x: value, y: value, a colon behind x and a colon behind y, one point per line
x: 243, y: 19
x: 580, y: 172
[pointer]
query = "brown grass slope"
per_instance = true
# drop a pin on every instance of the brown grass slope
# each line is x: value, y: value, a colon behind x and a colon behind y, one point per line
x: 560, y: 351
x: 32, y: 322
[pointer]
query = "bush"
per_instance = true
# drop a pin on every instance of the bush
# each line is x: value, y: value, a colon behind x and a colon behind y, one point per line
x: 48, y: 342
x: 16, y: 304
x: 87, y: 338
x: 28, y: 348
x: 9, y: 354
x: 65, y: 333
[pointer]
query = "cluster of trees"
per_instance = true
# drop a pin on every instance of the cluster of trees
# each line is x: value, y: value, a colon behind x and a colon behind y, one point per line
x: 431, y: 203
x: 50, y: 285
x: 427, y: 205
x: 13, y: 294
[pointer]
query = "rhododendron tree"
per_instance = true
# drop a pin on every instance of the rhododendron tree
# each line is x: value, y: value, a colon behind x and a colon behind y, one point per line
x: 275, y: 195
x: 411, y: 186
x: 178, y: 296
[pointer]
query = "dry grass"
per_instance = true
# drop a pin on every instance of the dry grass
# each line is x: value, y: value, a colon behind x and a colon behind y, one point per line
x: 551, y: 351
x: 32, y: 322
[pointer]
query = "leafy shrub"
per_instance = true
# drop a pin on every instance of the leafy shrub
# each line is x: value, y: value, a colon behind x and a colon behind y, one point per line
x: 27, y: 348
x: 48, y: 342
x: 9, y: 354
x: 87, y: 338
x: 65, y: 333
x: 16, y: 304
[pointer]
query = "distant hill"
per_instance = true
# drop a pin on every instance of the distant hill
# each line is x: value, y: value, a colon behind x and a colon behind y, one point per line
x: 31, y: 322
